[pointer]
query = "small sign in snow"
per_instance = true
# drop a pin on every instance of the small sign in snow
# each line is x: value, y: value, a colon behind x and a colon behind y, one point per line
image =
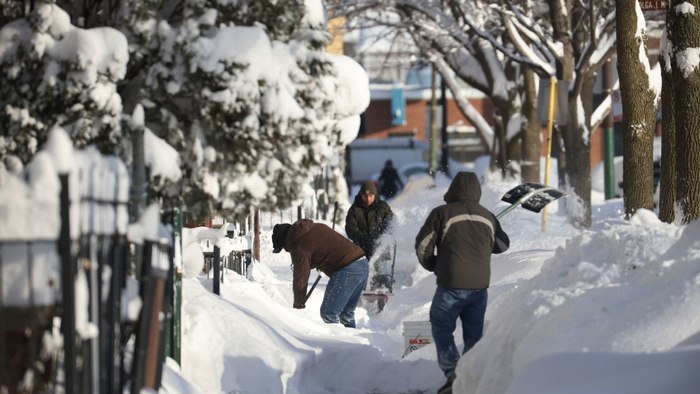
x: 653, y: 5
x: 616, y: 105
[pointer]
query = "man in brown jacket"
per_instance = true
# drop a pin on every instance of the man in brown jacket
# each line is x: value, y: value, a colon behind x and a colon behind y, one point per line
x: 315, y: 245
x: 465, y: 235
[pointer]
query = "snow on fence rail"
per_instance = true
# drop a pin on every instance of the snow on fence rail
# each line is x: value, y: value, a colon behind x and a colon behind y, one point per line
x: 81, y: 289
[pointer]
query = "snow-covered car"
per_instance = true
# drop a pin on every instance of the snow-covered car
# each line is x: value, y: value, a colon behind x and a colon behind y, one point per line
x: 408, y: 170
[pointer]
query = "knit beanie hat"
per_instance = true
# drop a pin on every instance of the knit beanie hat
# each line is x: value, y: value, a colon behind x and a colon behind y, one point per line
x: 279, y: 236
x: 368, y: 187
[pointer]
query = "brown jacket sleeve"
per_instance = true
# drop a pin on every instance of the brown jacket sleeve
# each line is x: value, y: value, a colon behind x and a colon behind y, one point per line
x: 301, y: 266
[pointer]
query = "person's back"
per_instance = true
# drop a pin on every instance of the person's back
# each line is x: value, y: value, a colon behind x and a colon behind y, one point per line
x: 465, y: 234
x: 317, y: 246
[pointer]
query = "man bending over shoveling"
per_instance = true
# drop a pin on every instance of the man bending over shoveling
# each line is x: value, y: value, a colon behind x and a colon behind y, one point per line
x: 315, y: 245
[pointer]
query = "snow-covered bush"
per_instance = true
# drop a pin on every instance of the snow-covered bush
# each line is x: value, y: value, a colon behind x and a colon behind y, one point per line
x: 241, y: 89
x: 55, y: 74
x: 250, y: 115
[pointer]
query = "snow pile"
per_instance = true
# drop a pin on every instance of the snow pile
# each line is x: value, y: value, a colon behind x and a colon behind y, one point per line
x: 619, y: 287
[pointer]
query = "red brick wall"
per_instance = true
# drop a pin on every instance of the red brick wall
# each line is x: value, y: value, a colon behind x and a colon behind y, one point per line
x: 378, y: 122
x: 597, y: 146
x: 378, y: 117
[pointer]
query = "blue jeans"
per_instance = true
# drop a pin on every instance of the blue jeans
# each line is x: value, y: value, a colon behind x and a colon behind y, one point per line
x: 448, y: 305
x: 343, y: 293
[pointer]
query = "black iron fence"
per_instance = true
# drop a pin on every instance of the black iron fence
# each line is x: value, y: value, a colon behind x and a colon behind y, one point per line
x: 67, y: 322
x: 232, y: 252
x: 27, y: 307
x: 237, y: 260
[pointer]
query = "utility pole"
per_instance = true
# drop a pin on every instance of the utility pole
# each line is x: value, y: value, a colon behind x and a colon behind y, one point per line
x: 433, y: 122
x: 445, y: 149
x: 609, y: 136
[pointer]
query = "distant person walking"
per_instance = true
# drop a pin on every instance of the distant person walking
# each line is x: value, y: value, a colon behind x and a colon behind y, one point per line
x: 465, y: 234
x: 315, y: 245
x: 389, y: 181
x: 368, y: 219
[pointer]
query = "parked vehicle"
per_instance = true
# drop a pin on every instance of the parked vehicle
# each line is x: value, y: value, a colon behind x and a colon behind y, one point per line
x: 367, y: 157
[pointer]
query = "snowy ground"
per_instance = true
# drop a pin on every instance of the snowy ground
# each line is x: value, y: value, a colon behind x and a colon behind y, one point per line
x: 615, y: 308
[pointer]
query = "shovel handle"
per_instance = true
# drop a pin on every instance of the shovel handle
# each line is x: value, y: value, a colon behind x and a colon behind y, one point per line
x: 311, y: 290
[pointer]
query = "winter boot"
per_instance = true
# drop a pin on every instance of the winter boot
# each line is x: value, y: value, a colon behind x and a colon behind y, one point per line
x: 447, y: 387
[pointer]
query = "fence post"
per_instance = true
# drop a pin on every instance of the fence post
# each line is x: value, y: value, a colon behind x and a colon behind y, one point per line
x: 175, y: 337
x: 177, y: 319
x: 153, y: 353
x: 139, y: 187
x: 256, y: 235
x: 138, y: 363
x: 118, y: 259
x: 164, y: 333
x: 149, y: 349
x: 3, y: 350
x: 68, y: 272
x: 217, y: 270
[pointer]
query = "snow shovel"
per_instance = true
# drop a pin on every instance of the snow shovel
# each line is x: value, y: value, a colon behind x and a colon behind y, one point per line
x: 533, y: 197
x: 380, y: 298
x: 393, y: 264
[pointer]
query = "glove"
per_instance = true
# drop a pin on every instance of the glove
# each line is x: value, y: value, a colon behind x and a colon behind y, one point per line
x: 299, y: 306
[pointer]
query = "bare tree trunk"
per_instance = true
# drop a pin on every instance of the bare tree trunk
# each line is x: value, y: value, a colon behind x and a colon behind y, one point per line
x: 587, y: 88
x: 578, y: 166
x: 667, y: 183
x: 530, y: 144
x: 686, y: 36
x: 510, y: 140
x: 638, y: 106
x: 577, y: 151
x: 500, y: 156
x: 466, y: 108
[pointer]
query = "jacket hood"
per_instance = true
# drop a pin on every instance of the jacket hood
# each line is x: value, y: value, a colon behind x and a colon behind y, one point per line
x: 298, y: 229
x: 464, y: 187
